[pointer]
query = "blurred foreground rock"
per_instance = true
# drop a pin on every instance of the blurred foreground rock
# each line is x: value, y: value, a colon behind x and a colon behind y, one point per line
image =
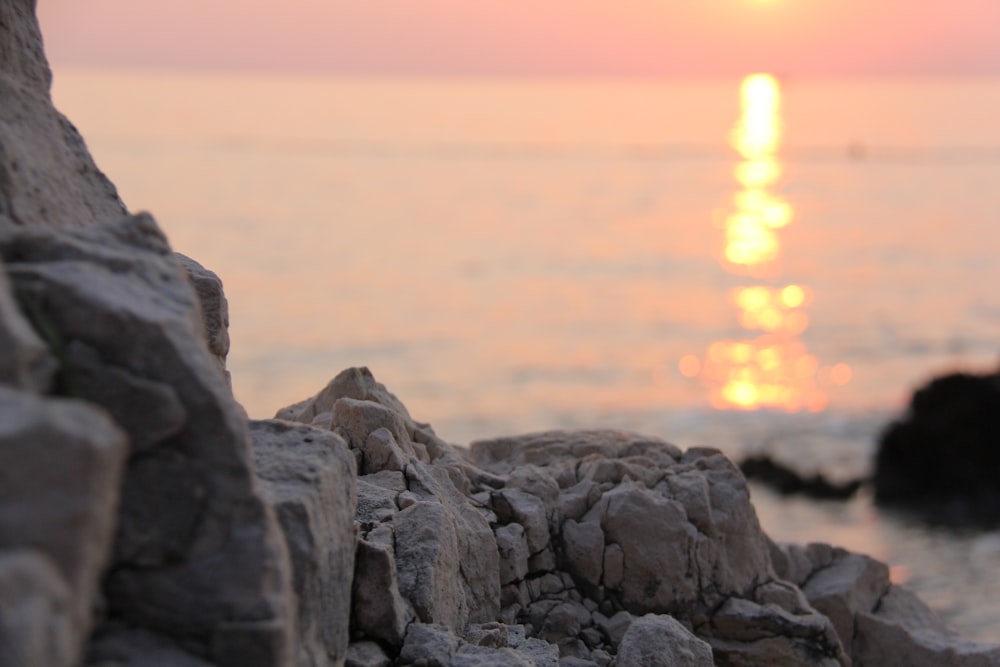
x: 145, y: 522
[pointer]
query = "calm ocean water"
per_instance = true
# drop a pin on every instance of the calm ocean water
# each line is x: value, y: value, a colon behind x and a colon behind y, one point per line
x: 767, y: 264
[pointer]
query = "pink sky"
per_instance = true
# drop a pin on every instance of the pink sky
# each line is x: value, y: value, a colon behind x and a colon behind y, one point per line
x: 645, y: 38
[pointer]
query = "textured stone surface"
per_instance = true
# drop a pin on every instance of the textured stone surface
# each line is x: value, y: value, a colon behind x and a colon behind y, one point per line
x: 37, y: 628
x: 47, y: 178
x: 851, y: 584
x: 214, y: 309
x: 201, y: 560
x: 366, y: 654
x: 744, y: 632
x: 60, y: 469
x: 660, y: 641
x: 379, y: 610
x: 903, y: 631
x: 307, y: 476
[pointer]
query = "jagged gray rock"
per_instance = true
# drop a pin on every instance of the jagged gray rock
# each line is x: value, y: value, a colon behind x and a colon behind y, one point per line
x: 660, y: 641
x: 307, y: 476
x: 60, y: 466
x: 47, y: 177
x: 214, y: 310
x: 851, y: 584
x: 436, y: 646
x: 202, y: 560
x: 589, y: 528
x: 903, y: 631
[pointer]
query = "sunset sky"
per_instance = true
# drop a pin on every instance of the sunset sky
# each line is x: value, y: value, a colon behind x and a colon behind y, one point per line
x: 642, y: 38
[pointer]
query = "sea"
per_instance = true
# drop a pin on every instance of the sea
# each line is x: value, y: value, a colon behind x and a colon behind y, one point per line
x: 759, y: 264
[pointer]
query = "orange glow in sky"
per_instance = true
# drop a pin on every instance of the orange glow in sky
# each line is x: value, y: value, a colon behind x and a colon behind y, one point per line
x: 775, y: 369
x: 554, y: 38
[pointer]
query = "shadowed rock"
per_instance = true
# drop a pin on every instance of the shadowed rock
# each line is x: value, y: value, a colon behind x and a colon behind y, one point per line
x: 60, y: 466
x: 941, y: 460
x: 307, y: 476
x: 787, y: 481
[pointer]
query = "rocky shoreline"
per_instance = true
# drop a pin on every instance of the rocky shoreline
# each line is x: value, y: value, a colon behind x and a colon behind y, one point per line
x: 145, y: 520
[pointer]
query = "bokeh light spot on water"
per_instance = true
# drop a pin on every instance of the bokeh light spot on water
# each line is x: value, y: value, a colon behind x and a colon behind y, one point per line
x: 774, y: 370
x: 841, y: 374
x: 689, y: 366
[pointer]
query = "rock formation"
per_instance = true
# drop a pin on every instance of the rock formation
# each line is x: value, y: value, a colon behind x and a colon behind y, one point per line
x: 787, y: 481
x: 942, y: 458
x: 145, y: 522
x: 127, y: 471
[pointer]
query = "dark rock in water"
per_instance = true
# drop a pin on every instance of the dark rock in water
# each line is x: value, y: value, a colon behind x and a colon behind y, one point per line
x: 787, y: 481
x: 942, y: 459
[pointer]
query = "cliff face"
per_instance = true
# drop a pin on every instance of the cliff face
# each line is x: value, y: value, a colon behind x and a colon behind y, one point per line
x: 145, y: 521
x: 127, y: 485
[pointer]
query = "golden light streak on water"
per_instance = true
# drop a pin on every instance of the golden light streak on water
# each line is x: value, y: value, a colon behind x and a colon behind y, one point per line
x: 773, y: 370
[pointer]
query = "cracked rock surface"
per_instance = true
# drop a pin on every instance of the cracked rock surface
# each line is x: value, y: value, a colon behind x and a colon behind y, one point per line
x: 587, y: 548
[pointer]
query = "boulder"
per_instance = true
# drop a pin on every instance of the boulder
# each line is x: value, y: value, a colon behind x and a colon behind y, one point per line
x: 850, y: 585
x: 426, y: 552
x: 941, y: 460
x: 654, y: 511
x: 437, y: 646
x: 903, y: 631
x: 61, y: 464
x: 366, y: 654
x: 307, y: 477
x: 660, y: 641
x: 201, y: 561
x: 746, y: 632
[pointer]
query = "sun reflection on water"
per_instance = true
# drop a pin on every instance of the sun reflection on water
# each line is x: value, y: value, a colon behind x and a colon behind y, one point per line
x: 775, y: 369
